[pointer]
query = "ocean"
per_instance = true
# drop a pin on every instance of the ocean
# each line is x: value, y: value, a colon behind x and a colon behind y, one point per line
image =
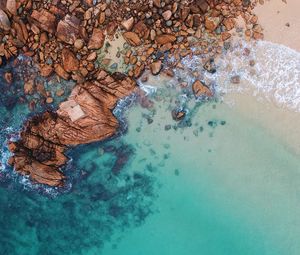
x: 224, y: 181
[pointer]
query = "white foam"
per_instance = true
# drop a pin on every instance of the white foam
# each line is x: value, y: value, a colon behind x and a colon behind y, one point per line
x: 275, y: 76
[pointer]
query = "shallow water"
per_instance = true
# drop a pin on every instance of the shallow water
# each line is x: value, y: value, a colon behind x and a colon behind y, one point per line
x: 223, y: 182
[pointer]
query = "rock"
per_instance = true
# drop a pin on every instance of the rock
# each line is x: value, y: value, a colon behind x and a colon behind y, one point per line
x: 49, y: 100
x: 202, y: 4
x: 46, y: 70
x: 225, y: 36
x: 156, y: 67
x: 210, y: 66
x: 165, y: 38
x: 97, y: 40
x: 43, y: 38
x: 178, y: 115
x: 8, y: 76
x: 11, y: 6
x: 132, y: 38
x: 29, y: 87
x: 78, y: 44
x: 236, y: 79
x: 167, y: 15
x: 60, y: 92
x: 44, y: 20
x: 201, y: 90
x: 157, y: 3
x: 68, y: 29
x: 84, y: 118
x: 211, y: 23
x: 4, y: 21
x: 229, y: 23
x: 92, y: 56
x: 128, y: 24
x: 61, y: 72
x: 69, y: 62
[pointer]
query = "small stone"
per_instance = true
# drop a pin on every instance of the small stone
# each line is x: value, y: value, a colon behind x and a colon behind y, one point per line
x: 178, y: 115
x: 61, y: 72
x: 156, y: 67
x: 8, y: 76
x: 60, y: 92
x: 11, y: 6
x: 78, y: 44
x: 200, y: 89
x: 167, y: 15
x: 92, y: 56
x: 49, y: 100
x: 46, y: 70
x: 210, y: 66
x: 29, y: 87
x: 236, y: 79
x: 128, y: 24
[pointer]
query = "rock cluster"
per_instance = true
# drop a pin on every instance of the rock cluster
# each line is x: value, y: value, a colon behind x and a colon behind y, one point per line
x: 84, y: 118
x: 41, y: 29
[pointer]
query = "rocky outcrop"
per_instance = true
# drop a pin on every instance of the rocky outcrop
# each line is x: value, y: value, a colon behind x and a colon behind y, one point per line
x: 84, y: 118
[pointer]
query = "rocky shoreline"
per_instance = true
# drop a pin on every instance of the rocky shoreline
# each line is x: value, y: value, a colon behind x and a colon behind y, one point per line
x: 64, y: 38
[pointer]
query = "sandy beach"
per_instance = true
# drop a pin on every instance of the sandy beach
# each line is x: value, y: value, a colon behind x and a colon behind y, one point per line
x: 280, y: 22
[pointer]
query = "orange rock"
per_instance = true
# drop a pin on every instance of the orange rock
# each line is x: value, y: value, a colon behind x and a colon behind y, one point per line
x: 69, y: 61
x: 225, y: 36
x: 61, y: 72
x: 68, y: 29
x: 156, y: 67
x: 97, y: 40
x: 201, y: 90
x: 165, y: 38
x: 46, y: 70
x: 128, y: 24
x: 44, y: 20
x: 132, y: 38
x: 211, y: 23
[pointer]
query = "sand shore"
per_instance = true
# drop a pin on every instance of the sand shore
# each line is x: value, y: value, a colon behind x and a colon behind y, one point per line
x: 280, y: 21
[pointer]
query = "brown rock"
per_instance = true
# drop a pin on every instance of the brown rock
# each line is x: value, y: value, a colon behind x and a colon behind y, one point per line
x: 156, y: 3
x: 78, y: 44
x: 225, y: 36
x: 8, y: 76
x: 156, y: 67
x: 68, y: 29
x: 49, y: 100
x: 43, y: 38
x: 128, y: 24
x: 97, y: 40
x: 167, y: 14
x: 29, y: 87
x: 11, y: 6
x: 44, y: 20
x: 132, y: 38
x: 178, y: 115
x: 165, y: 38
x: 201, y: 90
x: 211, y: 23
x: 61, y: 72
x: 60, y: 92
x: 236, y: 79
x: 46, y: 70
x: 69, y: 61
x: 202, y: 4
x: 84, y: 118
x: 4, y: 21
x: 229, y: 23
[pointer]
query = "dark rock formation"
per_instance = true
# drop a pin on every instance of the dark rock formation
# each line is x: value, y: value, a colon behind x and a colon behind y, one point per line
x: 84, y: 118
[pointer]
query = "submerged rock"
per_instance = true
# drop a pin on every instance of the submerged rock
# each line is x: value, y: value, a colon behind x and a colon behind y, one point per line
x: 85, y: 117
x: 201, y: 90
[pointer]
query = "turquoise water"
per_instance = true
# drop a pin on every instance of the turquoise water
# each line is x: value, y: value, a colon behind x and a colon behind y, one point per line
x: 221, y: 186
x: 218, y: 183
